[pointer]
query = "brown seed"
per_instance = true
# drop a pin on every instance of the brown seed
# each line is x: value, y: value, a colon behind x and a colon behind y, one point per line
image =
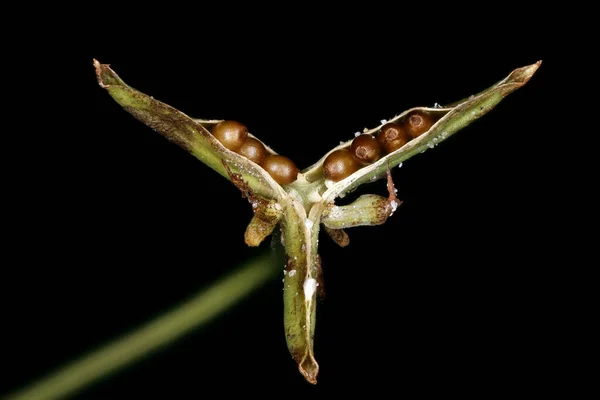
x: 339, y: 164
x: 282, y: 169
x: 366, y: 149
x: 417, y: 123
x: 253, y: 150
x: 231, y: 134
x: 391, y: 137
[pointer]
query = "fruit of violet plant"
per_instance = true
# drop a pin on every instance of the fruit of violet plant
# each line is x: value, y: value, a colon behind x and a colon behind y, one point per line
x: 300, y: 201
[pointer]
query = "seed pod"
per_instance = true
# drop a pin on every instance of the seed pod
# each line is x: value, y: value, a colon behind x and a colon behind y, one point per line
x: 339, y: 164
x: 391, y: 137
x: 253, y: 150
x: 231, y: 134
x: 366, y: 149
x: 282, y: 169
x: 417, y: 123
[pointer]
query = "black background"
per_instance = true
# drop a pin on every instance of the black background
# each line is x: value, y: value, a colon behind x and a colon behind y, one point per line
x: 111, y: 225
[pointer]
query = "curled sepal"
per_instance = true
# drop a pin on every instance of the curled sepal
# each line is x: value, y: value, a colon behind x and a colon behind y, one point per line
x: 186, y: 132
x: 368, y: 209
x: 267, y: 215
x: 449, y: 120
x: 339, y: 236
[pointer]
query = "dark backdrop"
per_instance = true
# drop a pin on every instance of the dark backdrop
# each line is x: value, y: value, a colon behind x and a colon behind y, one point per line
x: 111, y: 225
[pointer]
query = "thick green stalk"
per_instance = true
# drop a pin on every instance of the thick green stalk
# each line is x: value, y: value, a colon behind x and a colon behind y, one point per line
x: 155, y: 335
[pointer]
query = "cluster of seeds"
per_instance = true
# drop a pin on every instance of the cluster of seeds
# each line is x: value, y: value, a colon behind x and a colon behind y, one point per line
x: 366, y: 149
x: 234, y: 136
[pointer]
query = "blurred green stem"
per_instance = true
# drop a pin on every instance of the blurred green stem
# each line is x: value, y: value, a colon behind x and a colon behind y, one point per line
x: 154, y: 335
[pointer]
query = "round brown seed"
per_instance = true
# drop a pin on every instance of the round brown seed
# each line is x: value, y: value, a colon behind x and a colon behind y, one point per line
x: 339, y: 164
x: 282, y: 169
x: 391, y: 137
x: 253, y: 150
x: 231, y: 134
x: 417, y: 123
x: 366, y: 149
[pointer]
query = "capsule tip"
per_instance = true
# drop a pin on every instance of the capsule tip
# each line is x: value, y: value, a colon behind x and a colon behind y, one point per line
x: 309, y: 369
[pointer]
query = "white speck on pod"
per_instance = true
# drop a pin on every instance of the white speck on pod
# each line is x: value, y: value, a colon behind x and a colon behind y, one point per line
x: 308, y: 223
x: 310, y: 286
x: 356, y: 134
x: 400, y: 165
x: 394, y: 205
x: 383, y: 121
x: 292, y: 273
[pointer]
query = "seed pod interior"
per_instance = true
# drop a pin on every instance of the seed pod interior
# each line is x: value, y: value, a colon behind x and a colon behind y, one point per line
x: 315, y: 171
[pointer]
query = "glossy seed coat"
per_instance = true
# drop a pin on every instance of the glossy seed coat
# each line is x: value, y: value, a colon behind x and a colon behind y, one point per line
x: 366, y: 149
x: 391, y: 137
x: 339, y: 165
x: 282, y: 169
x: 231, y: 134
x: 417, y: 123
x: 253, y: 150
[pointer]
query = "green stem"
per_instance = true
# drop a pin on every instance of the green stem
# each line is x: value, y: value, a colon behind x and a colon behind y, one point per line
x: 154, y: 335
